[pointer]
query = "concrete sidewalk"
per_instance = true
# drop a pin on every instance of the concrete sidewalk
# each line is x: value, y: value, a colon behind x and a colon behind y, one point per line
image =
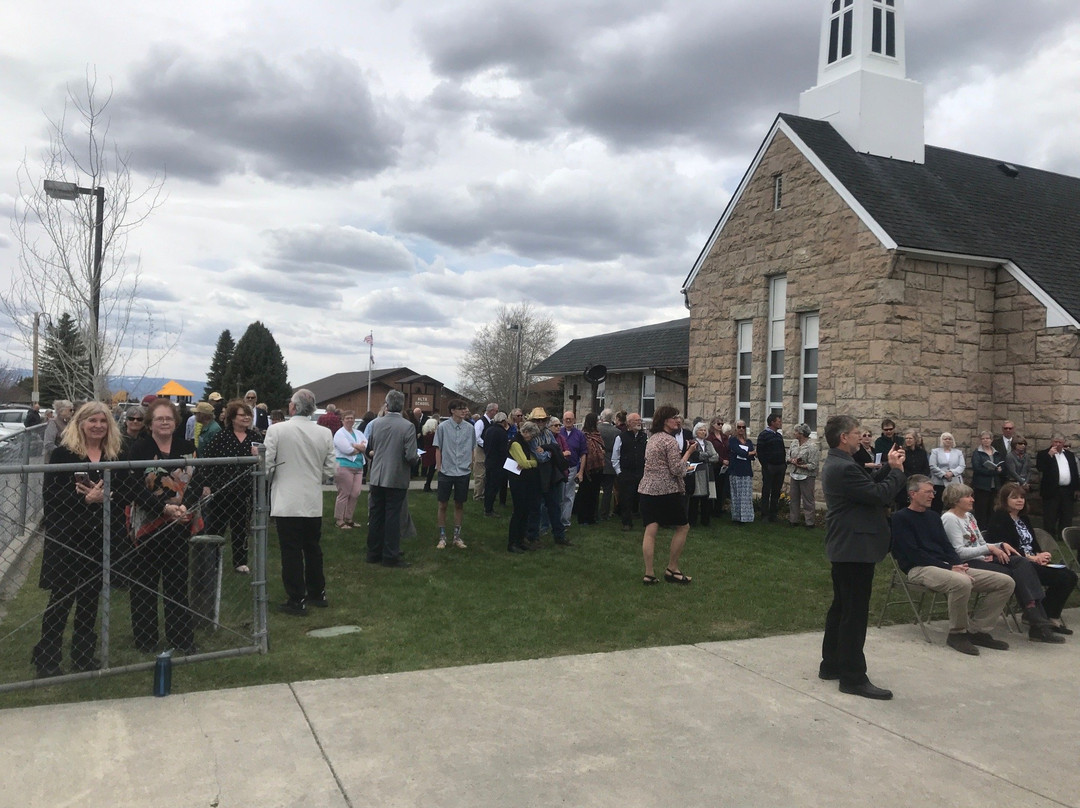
x: 744, y: 723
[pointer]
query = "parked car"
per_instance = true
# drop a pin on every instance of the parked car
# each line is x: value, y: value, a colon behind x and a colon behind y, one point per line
x: 11, y: 421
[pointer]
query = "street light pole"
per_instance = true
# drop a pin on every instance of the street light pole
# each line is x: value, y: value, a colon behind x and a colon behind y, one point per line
x: 35, y: 396
x: 70, y: 191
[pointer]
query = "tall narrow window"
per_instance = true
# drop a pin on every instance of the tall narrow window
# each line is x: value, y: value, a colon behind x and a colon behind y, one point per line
x: 648, y: 394
x: 883, y: 37
x: 778, y: 192
x: 777, y: 313
x: 840, y: 25
x: 601, y: 395
x: 809, y: 377
x: 745, y: 329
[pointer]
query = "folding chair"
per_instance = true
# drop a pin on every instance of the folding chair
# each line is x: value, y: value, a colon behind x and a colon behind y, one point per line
x: 900, y: 581
x: 1070, y: 546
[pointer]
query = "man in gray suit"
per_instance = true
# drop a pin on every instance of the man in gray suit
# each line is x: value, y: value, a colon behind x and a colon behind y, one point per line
x: 857, y: 536
x: 301, y: 455
x: 392, y: 450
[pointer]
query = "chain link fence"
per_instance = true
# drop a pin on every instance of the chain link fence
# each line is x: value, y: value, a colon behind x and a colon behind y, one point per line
x: 105, y: 565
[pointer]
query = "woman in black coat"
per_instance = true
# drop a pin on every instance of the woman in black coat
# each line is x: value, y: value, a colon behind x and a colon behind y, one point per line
x: 162, y: 527
x: 74, y: 509
x: 496, y: 450
x: 1009, y: 524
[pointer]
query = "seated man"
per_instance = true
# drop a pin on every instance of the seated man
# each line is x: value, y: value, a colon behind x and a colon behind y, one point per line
x: 923, y: 551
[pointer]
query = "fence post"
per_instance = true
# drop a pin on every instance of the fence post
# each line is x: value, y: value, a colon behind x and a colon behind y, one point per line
x: 106, y: 567
x: 259, y: 542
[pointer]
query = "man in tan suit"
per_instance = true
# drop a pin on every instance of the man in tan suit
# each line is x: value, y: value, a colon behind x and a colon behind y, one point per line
x: 300, y: 454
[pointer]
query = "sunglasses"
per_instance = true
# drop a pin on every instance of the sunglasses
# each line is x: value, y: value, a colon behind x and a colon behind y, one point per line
x: 134, y: 418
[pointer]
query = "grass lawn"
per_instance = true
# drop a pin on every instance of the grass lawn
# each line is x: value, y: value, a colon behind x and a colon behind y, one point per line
x: 461, y: 607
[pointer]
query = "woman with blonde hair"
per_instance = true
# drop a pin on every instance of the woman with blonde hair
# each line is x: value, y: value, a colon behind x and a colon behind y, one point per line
x: 71, y: 564
x: 946, y: 467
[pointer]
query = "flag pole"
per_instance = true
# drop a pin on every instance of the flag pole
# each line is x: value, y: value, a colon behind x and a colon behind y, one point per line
x: 371, y: 361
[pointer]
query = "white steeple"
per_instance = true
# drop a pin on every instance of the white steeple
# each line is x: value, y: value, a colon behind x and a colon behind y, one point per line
x: 862, y: 86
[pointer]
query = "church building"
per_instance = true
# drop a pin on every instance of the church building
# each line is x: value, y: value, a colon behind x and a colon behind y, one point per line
x: 863, y: 272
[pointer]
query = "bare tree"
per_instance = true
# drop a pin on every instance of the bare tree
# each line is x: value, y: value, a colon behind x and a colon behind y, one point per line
x: 489, y: 368
x: 56, y: 271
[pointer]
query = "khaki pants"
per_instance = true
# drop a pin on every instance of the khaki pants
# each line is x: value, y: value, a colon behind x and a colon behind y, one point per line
x: 478, y: 470
x: 995, y: 587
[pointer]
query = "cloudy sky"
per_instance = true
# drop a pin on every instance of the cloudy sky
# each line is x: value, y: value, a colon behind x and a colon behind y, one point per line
x: 340, y: 166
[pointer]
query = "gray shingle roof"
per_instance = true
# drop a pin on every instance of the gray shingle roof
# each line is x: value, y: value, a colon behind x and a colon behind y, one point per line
x: 662, y: 345
x: 330, y: 387
x: 964, y: 204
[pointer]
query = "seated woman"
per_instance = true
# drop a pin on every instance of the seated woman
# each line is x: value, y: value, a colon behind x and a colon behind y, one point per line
x: 964, y: 535
x: 946, y: 467
x: 1010, y: 524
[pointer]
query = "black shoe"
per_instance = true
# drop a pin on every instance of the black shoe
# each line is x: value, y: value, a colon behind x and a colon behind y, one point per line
x: 867, y: 690
x: 1044, y: 632
x: 373, y: 559
x: 962, y: 642
x: 826, y: 674
x: 320, y: 601
x: 515, y: 548
x: 49, y: 671
x: 564, y: 542
x: 984, y: 640
x: 293, y: 607
x: 87, y: 665
x: 1060, y: 629
x: 397, y: 563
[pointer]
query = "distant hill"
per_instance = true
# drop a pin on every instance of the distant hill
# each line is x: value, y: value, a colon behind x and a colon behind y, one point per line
x: 136, y: 386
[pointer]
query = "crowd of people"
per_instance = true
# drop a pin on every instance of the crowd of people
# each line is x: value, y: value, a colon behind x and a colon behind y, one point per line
x: 881, y: 493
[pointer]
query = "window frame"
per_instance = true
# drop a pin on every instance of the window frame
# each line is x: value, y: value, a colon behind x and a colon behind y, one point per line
x: 810, y: 339
x: 744, y: 346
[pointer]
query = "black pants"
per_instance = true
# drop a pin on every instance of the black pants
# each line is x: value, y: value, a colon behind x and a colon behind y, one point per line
x: 161, y: 559
x: 845, y: 622
x: 494, y: 485
x: 84, y: 595
x: 525, y: 491
x: 232, y: 514
x: 607, y: 484
x: 723, y: 491
x: 700, y: 508
x: 301, y: 556
x: 628, y: 497
x: 983, y: 508
x: 429, y: 474
x: 588, y: 498
x: 772, y: 483
x: 1058, y: 512
x: 385, y: 506
x: 1023, y: 573
x: 1059, y: 585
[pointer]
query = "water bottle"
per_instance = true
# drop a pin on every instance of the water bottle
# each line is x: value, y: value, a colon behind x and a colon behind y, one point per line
x: 163, y: 674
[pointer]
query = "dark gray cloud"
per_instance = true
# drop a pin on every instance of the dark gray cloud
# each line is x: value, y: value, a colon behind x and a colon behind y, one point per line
x: 711, y: 75
x: 299, y: 120
x: 571, y: 214
x: 318, y: 249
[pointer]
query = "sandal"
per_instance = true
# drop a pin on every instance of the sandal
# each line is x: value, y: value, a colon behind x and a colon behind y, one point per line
x: 242, y: 569
x: 649, y: 580
x: 343, y: 526
x: 676, y: 577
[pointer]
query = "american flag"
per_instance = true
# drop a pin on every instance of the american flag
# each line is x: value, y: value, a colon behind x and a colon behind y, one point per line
x: 369, y: 340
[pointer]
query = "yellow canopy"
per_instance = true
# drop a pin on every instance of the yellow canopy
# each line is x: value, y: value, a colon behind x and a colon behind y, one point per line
x: 173, y: 388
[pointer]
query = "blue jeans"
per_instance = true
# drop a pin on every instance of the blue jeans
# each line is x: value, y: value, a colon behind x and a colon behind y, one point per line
x: 550, y: 505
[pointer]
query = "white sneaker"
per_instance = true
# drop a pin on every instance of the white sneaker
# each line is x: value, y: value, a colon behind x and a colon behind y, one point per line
x: 458, y: 543
x: 442, y: 544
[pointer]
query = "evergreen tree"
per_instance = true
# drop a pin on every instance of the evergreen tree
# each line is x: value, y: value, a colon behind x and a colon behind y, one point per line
x: 64, y: 371
x: 257, y: 364
x: 215, y: 379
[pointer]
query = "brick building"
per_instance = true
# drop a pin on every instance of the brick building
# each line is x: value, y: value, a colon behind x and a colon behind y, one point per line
x: 860, y: 271
x: 349, y: 391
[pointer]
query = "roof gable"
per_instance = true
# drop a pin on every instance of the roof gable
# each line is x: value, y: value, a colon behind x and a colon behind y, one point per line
x: 661, y: 345
x: 954, y: 205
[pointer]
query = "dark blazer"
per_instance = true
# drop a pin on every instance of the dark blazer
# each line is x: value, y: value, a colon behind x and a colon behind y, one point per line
x: 496, y: 446
x: 1048, y: 469
x: 1003, y: 528
x: 856, y: 529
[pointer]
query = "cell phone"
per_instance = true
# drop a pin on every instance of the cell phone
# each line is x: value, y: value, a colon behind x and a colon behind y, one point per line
x: 82, y: 477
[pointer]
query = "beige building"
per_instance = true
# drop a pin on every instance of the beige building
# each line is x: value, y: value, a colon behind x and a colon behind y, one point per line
x: 857, y: 271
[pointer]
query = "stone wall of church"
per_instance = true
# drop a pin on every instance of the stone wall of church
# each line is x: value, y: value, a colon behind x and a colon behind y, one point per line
x: 622, y: 391
x: 933, y: 346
